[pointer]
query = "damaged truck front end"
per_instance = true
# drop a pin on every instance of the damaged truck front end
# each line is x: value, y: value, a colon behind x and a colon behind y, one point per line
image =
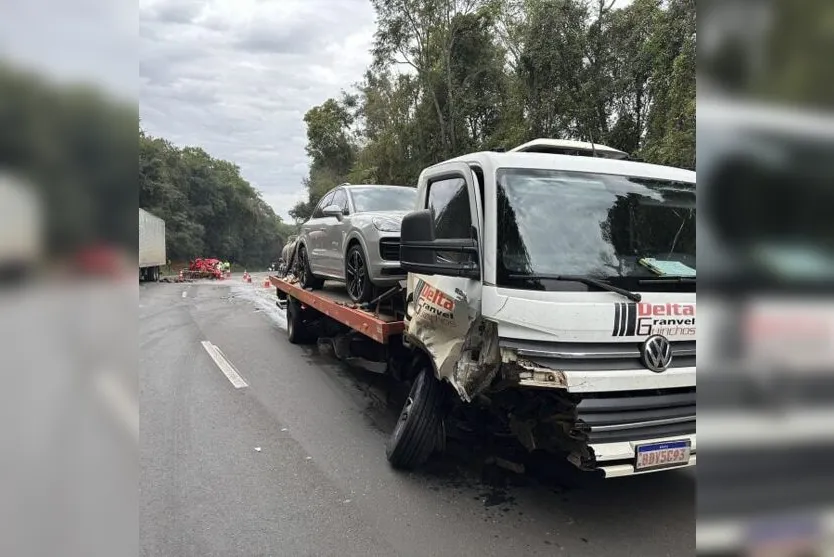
x: 600, y: 427
x: 559, y: 293
x: 539, y: 392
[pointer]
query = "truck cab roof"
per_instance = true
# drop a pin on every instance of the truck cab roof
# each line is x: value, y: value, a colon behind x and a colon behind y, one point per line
x: 569, y: 147
x: 547, y: 161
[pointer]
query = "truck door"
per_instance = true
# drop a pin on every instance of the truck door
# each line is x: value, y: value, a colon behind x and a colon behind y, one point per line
x: 443, y: 305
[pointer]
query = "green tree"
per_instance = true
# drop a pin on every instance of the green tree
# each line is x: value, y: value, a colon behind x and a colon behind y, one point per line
x: 328, y: 140
x: 481, y: 74
x: 331, y: 148
x: 670, y: 133
x: 208, y: 208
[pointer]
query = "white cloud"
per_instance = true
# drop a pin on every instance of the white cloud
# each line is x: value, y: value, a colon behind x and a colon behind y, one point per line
x: 236, y: 77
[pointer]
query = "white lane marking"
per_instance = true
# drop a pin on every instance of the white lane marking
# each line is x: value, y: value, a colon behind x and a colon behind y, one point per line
x: 225, y: 365
x: 122, y: 404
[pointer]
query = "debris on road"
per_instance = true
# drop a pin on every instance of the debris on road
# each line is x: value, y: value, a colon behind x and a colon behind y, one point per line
x: 257, y: 449
x: 516, y: 467
x: 175, y: 280
x: 204, y: 268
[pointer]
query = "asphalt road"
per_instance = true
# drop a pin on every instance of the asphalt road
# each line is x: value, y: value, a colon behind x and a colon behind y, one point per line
x: 293, y: 463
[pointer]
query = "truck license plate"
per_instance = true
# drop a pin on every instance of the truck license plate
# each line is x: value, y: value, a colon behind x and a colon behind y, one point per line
x: 662, y: 455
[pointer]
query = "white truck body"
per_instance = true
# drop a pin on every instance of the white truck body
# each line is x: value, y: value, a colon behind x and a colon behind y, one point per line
x: 487, y: 335
x: 151, y: 244
x: 550, y: 298
x: 20, y: 224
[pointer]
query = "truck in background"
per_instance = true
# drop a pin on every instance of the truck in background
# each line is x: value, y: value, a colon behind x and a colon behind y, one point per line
x: 554, y: 292
x: 151, y: 246
x: 21, y: 241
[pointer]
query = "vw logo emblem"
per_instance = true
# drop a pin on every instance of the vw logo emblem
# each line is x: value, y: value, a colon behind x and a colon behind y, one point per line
x: 656, y: 353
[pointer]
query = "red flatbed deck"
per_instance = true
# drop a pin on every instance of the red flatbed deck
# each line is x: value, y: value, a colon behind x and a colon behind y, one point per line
x: 333, y: 302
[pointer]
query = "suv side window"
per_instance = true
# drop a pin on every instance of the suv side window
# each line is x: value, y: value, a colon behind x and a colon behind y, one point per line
x: 340, y: 199
x: 325, y: 201
x: 448, y: 200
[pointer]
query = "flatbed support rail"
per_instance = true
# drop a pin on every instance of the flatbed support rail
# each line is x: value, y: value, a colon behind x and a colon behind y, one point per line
x: 377, y: 327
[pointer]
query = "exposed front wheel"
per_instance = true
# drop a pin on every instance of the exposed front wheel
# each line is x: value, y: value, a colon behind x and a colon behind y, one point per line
x: 357, y: 278
x: 415, y: 436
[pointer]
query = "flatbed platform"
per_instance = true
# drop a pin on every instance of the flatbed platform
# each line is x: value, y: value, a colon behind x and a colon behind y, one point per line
x: 333, y: 301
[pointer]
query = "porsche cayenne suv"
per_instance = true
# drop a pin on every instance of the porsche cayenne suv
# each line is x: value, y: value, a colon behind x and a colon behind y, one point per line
x: 354, y: 236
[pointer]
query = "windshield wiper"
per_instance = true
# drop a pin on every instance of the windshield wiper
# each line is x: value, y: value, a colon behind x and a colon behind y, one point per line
x: 676, y: 280
x: 584, y: 280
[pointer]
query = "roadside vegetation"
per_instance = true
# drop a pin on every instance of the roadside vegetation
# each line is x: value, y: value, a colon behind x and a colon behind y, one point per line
x: 455, y: 76
x: 209, y: 209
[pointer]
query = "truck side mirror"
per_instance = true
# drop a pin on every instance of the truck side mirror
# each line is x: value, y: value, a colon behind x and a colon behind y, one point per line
x: 419, y: 249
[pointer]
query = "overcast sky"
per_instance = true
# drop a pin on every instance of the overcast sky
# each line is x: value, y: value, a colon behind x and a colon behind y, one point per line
x: 232, y: 76
x: 236, y: 77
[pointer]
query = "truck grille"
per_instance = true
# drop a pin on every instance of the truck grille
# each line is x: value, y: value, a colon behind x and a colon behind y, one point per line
x: 389, y: 249
x: 594, y: 356
x: 619, y: 416
x: 631, y: 416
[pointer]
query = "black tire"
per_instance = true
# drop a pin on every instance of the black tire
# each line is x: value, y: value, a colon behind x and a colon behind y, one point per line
x: 357, y: 280
x: 297, y: 330
x: 415, y: 436
x: 307, y: 278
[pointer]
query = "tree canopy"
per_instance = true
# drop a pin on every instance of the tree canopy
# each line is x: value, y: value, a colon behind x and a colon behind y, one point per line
x: 77, y: 148
x: 209, y: 209
x: 455, y: 76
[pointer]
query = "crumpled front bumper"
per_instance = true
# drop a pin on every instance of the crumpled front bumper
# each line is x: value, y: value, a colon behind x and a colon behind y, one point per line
x: 618, y: 403
x: 616, y: 423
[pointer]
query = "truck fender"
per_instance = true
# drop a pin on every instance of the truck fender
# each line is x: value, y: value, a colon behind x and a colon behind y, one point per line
x: 444, y: 320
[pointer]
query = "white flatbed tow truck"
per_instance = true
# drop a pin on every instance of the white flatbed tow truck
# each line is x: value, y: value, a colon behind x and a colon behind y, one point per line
x: 556, y: 291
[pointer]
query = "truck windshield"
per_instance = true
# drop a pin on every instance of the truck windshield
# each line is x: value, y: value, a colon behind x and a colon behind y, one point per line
x: 631, y: 232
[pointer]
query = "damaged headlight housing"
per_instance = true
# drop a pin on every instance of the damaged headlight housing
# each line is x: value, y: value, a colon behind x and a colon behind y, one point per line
x: 384, y: 224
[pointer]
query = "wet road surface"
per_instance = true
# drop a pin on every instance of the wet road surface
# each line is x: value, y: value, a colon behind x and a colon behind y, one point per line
x: 290, y: 460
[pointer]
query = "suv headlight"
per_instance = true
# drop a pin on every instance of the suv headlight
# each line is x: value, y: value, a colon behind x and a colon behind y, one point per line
x: 386, y: 225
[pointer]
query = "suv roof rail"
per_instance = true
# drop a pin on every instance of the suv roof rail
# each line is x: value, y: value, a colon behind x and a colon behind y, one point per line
x: 343, y: 184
